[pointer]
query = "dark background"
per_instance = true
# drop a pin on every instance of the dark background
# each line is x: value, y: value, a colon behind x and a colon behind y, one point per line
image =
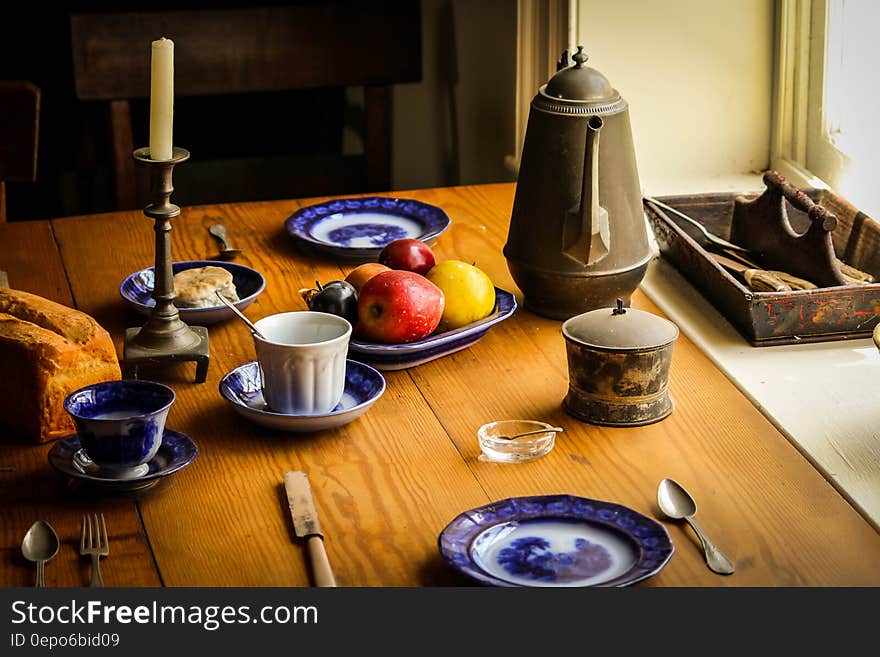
x: 73, y: 167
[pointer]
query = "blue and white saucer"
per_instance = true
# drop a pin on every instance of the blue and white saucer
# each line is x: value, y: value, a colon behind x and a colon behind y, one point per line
x: 555, y: 540
x: 358, y: 228
x: 176, y: 452
x: 243, y: 389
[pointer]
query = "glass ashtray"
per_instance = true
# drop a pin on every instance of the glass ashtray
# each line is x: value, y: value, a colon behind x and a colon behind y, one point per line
x: 497, y: 444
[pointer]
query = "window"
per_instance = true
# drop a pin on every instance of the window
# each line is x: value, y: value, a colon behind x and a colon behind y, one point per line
x: 827, y: 95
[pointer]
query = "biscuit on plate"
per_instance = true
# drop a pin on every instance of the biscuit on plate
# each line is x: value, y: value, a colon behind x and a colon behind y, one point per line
x: 197, y: 288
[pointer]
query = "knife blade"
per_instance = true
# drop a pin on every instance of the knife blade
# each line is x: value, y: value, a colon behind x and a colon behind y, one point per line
x: 307, y: 526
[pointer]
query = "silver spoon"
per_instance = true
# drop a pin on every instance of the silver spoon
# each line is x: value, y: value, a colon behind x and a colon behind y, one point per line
x: 226, y: 251
x: 39, y: 545
x: 677, y: 503
x: 241, y: 316
x: 531, y: 433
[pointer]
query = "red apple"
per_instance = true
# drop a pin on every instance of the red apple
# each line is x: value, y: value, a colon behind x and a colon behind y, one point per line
x: 408, y: 254
x: 398, y: 306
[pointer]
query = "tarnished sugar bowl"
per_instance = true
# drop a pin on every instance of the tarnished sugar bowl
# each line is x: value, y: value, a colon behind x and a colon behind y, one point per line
x: 618, y: 366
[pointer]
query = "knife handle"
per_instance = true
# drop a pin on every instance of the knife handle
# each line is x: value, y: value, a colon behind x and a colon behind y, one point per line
x: 320, y: 564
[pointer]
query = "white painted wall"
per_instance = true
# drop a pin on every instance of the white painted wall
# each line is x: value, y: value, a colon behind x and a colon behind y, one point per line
x: 697, y: 75
x: 698, y: 79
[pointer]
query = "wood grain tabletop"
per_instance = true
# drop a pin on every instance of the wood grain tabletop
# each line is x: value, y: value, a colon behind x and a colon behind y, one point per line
x: 387, y: 484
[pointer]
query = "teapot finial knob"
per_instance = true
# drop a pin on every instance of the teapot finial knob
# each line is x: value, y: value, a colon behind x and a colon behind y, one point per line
x: 580, y: 57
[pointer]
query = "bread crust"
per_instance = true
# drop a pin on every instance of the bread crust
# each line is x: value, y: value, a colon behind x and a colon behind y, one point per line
x: 47, y: 350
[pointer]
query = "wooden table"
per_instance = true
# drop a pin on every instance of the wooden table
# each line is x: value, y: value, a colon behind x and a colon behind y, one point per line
x: 388, y: 483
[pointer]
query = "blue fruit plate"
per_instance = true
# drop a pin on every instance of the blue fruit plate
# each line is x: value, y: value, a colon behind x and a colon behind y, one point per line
x: 436, y: 345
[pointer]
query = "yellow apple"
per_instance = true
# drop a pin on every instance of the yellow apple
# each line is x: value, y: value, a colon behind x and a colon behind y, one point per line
x: 469, y: 293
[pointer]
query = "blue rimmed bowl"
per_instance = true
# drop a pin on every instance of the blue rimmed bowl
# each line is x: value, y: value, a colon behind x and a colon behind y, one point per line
x: 437, y: 345
x: 137, y: 290
x: 242, y: 388
x: 359, y: 228
x: 120, y: 423
x: 555, y: 540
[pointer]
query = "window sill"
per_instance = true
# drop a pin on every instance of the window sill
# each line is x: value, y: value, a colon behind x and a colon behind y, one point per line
x: 823, y: 397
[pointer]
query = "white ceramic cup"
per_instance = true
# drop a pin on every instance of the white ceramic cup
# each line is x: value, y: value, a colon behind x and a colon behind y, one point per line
x: 302, y: 357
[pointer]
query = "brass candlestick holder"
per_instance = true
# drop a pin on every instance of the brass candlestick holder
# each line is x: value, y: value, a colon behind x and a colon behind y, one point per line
x: 165, y: 337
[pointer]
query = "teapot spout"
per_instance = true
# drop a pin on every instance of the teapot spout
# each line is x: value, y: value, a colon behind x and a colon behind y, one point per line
x: 586, y: 239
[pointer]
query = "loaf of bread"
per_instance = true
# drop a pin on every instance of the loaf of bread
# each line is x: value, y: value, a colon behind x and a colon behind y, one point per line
x: 47, y: 351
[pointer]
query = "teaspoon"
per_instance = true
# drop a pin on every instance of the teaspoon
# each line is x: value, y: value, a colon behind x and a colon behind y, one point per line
x: 226, y: 251
x: 531, y: 433
x: 39, y: 545
x: 241, y: 316
x: 678, y: 504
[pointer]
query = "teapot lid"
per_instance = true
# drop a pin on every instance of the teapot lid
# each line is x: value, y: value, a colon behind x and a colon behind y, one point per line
x: 620, y: 329
x: 578, y: 82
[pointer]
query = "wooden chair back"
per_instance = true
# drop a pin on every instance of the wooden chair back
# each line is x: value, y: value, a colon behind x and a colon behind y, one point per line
x: 226, y: 51
x: 19, y: 134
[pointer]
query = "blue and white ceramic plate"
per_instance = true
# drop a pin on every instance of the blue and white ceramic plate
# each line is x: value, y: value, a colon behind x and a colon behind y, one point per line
x: 137, y: 290
x: 358, y: 228
x: 176, y: 452
x: 243, y: 389
x: 410, y: 354
x: 555, y: 540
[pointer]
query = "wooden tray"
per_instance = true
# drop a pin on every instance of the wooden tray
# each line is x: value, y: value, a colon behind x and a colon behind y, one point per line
x: 772, y: 318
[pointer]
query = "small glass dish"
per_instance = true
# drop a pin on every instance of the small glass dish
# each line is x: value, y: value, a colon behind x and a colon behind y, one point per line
x: 497, y: 446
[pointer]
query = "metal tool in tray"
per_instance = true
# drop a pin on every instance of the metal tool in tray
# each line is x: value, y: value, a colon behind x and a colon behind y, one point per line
x: 762, y: 225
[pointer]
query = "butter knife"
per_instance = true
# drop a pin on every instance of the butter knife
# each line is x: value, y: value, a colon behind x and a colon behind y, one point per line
x: 306, y: 525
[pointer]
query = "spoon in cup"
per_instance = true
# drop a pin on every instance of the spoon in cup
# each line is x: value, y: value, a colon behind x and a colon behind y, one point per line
x: 241, y: 316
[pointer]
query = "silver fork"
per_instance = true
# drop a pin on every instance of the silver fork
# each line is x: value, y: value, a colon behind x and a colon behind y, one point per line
x: 95, y: 544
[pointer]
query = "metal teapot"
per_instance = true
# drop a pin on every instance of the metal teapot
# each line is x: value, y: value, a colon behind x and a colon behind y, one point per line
x: 577, y: 239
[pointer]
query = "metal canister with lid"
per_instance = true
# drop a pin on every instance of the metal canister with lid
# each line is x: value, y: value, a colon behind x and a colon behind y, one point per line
x: 618, y: 366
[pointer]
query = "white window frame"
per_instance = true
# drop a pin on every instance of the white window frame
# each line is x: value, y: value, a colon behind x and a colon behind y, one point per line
x: 791, y: 93
x: 801, y: 147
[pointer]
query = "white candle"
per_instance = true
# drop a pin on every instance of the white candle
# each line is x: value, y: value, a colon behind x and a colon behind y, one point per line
x: 161, y: 99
